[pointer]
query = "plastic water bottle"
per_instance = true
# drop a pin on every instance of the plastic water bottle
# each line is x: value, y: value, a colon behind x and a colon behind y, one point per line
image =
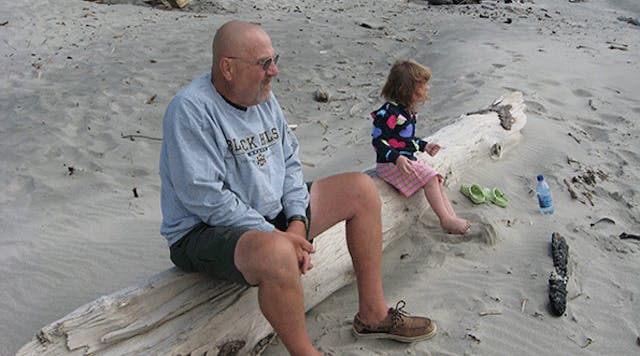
x: 545, y: 202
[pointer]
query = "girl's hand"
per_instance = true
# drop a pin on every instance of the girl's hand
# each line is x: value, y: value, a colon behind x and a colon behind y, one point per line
x: 432, y: 149
x: 405, y: 166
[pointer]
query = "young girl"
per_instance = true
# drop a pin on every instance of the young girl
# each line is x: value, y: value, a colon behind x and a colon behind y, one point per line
x: 395, y: 142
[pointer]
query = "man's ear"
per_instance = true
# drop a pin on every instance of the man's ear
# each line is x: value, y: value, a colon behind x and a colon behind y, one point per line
x: 226, y: 68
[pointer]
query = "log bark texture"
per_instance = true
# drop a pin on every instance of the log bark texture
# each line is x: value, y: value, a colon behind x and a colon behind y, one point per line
x: 177, y: 313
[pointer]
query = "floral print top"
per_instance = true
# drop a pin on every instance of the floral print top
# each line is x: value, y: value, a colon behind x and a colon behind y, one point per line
x: 393, y: 133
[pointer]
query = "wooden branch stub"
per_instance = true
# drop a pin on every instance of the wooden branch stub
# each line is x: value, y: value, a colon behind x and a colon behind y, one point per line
x: 180, y: 3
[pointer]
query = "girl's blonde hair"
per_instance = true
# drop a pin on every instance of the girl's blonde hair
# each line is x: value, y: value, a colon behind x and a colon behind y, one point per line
x: 405, y: 76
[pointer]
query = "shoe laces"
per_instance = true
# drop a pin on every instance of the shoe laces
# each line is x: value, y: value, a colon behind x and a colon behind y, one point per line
x: 398, y: 313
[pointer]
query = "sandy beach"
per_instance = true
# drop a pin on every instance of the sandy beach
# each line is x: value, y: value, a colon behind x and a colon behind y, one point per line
x: 84, y: 86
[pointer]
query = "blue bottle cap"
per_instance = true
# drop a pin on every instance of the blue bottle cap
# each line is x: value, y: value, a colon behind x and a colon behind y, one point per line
x: 540, y: 178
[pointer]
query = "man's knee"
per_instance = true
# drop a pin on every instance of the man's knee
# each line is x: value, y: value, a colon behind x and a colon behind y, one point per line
x: 261, y: 254
x: 280, y: 253
x: 367, y: 191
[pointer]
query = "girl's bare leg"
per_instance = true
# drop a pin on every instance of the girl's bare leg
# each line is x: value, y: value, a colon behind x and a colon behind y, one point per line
x: 445, y: 199
x: 434, y: 192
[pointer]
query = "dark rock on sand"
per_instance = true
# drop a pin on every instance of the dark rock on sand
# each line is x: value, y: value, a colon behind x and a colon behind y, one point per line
x: 559, y: 276
x: 557, y: 293
x: 559, y: 253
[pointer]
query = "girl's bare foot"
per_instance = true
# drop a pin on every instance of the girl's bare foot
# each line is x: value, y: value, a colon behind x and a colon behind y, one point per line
x: 456, y: 226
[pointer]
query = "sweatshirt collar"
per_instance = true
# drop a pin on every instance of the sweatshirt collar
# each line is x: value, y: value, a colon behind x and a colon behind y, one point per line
x: 239, y: 107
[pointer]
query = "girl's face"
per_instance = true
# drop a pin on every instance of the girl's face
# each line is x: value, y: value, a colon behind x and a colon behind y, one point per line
x: 420, y: 94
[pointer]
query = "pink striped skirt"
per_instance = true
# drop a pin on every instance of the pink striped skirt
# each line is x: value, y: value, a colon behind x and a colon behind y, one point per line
x: 406, y: 184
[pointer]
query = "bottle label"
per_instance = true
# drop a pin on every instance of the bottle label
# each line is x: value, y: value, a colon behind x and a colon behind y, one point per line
x: 544, y: 201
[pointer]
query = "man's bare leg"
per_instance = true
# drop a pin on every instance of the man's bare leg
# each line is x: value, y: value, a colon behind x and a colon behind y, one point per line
x: 354, y: 197
x: 270, y: 262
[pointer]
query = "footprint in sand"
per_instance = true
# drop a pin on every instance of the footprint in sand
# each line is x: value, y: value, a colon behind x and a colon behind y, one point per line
x: 582, y: 93
x: 16, y: 187
x: 535, y: 107
x: 480, y: 231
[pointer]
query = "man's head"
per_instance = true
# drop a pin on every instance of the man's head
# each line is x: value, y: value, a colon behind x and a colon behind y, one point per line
x: 244, y: 63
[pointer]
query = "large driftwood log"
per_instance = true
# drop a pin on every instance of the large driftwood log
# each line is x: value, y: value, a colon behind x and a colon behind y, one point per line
x: 176, y: 313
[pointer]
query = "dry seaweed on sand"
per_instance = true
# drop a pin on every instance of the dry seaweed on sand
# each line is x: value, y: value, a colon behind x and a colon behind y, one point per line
x: 631, y: 20
x: 625, y: 236
x: 453, y: 2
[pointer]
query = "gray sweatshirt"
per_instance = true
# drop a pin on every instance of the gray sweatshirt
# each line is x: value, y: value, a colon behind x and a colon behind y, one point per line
x: 224, y: 166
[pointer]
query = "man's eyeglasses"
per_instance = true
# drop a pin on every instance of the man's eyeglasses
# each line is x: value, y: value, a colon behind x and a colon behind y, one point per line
x: 265, y: 62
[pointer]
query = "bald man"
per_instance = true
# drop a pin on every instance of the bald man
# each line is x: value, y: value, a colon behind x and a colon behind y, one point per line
x: 235, y: 205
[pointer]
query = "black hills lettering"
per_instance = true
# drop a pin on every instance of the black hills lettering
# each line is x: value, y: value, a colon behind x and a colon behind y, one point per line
x: 248, y: 145
x: 267, y: 137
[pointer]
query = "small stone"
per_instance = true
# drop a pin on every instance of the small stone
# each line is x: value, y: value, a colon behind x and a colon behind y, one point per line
x: 321, y: 95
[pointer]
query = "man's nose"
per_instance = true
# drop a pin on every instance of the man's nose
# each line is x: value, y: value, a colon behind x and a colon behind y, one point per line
x: 273, y: 69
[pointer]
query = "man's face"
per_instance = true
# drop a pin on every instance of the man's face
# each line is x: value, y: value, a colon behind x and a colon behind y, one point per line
x: 255, y: 70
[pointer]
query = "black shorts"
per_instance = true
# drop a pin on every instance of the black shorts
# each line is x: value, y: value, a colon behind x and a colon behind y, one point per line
x: 211, y: 249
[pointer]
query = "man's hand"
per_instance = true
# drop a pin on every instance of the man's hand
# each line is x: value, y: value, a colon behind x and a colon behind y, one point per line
x: 432, y: 149
x: 296, y: 233
x: 405, y: 166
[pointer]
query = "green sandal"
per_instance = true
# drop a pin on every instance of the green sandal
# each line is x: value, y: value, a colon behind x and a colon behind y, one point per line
x: 495, y: 196
x: 474, y: 192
